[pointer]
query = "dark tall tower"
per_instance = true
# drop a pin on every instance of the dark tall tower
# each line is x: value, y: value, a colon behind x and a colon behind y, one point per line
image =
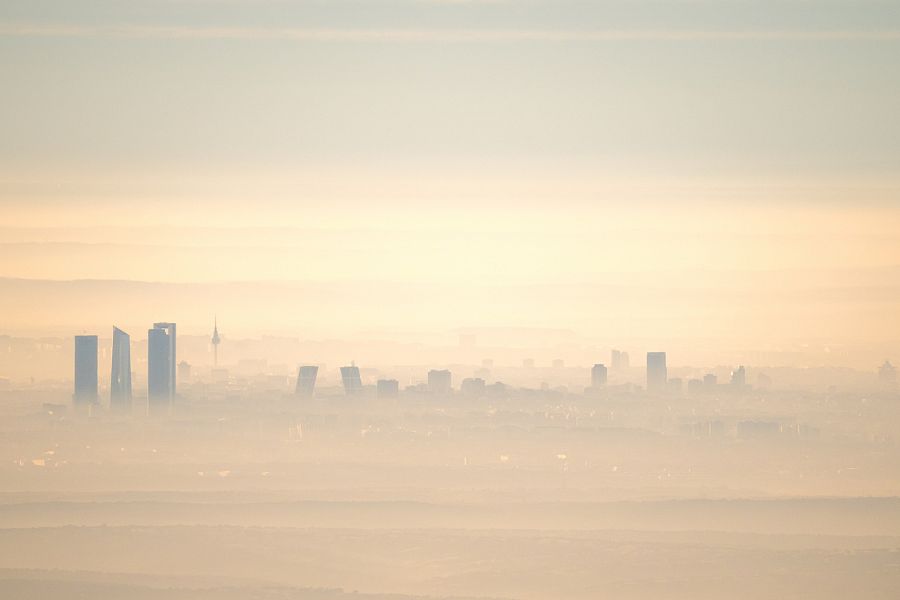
x: 657, y: 373
x: 306, y: 381
x: 85, y: 370
x: 120, y: 376
x: 160, y: 369
x: 170, y: 330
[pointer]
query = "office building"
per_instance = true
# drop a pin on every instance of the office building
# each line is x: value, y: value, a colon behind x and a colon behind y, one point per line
x: 172, y: 339
x: 306, y: 381
x: 439, y: 381
x: 473, y: 387
x: 739, y: 377
x: 160, y: 368
x: 599, y: 376
x: 120, y: 374
x: 351, y: 380
x: 619, y: 361
x: 657, y: 374
x: 85, y: 370
x: 387, y: 388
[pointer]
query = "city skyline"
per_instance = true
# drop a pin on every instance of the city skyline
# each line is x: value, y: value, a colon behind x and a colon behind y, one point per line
x: 162, y: 396
x: 520, y: 299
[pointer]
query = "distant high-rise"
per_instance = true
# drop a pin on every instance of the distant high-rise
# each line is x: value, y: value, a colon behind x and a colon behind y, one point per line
x: 473, y: 387
x: 739, y: 377
x: 85, y: 370
x: 710, y: 381
x: 120, y: 375
x: 657, y: 374
x: 439, y: 382
x: 619, y: 360
x: 351, y: 380
x: 598, y: 376
x: 172, y: 338
x: 306, y: 381
x: 160, y: 368
x: 215, y: 341
x: 184, y: 371
x: 387, y: 388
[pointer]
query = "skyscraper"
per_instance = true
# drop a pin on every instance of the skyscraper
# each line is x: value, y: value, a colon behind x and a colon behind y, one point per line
x: 120, y: 375
x: 657, y: 374
x: 598, y: 376
x: 306, y: 381
x: 619, y: 360
x: 160, y: 368
x: 172, y: 338
x: 85, y: 370
x: 351, y: 380
x: 440, y: 382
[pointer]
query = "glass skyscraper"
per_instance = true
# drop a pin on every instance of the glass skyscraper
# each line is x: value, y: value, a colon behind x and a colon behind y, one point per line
x: 85, y: 370
x: 306, y: 381
x: 160, y: 368
x: 120, y: 375
x: 351, y: 379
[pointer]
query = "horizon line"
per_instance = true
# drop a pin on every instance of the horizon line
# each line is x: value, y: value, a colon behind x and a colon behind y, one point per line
x: 430, y: 35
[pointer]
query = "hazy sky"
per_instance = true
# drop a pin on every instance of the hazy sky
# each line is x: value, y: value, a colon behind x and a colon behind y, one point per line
x: 462, y: 142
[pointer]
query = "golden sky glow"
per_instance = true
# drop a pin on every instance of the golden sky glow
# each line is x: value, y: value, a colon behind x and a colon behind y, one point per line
x: 731, y: 173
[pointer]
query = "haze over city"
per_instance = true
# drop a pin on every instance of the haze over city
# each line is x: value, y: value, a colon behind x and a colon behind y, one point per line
x: 421, y: 299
